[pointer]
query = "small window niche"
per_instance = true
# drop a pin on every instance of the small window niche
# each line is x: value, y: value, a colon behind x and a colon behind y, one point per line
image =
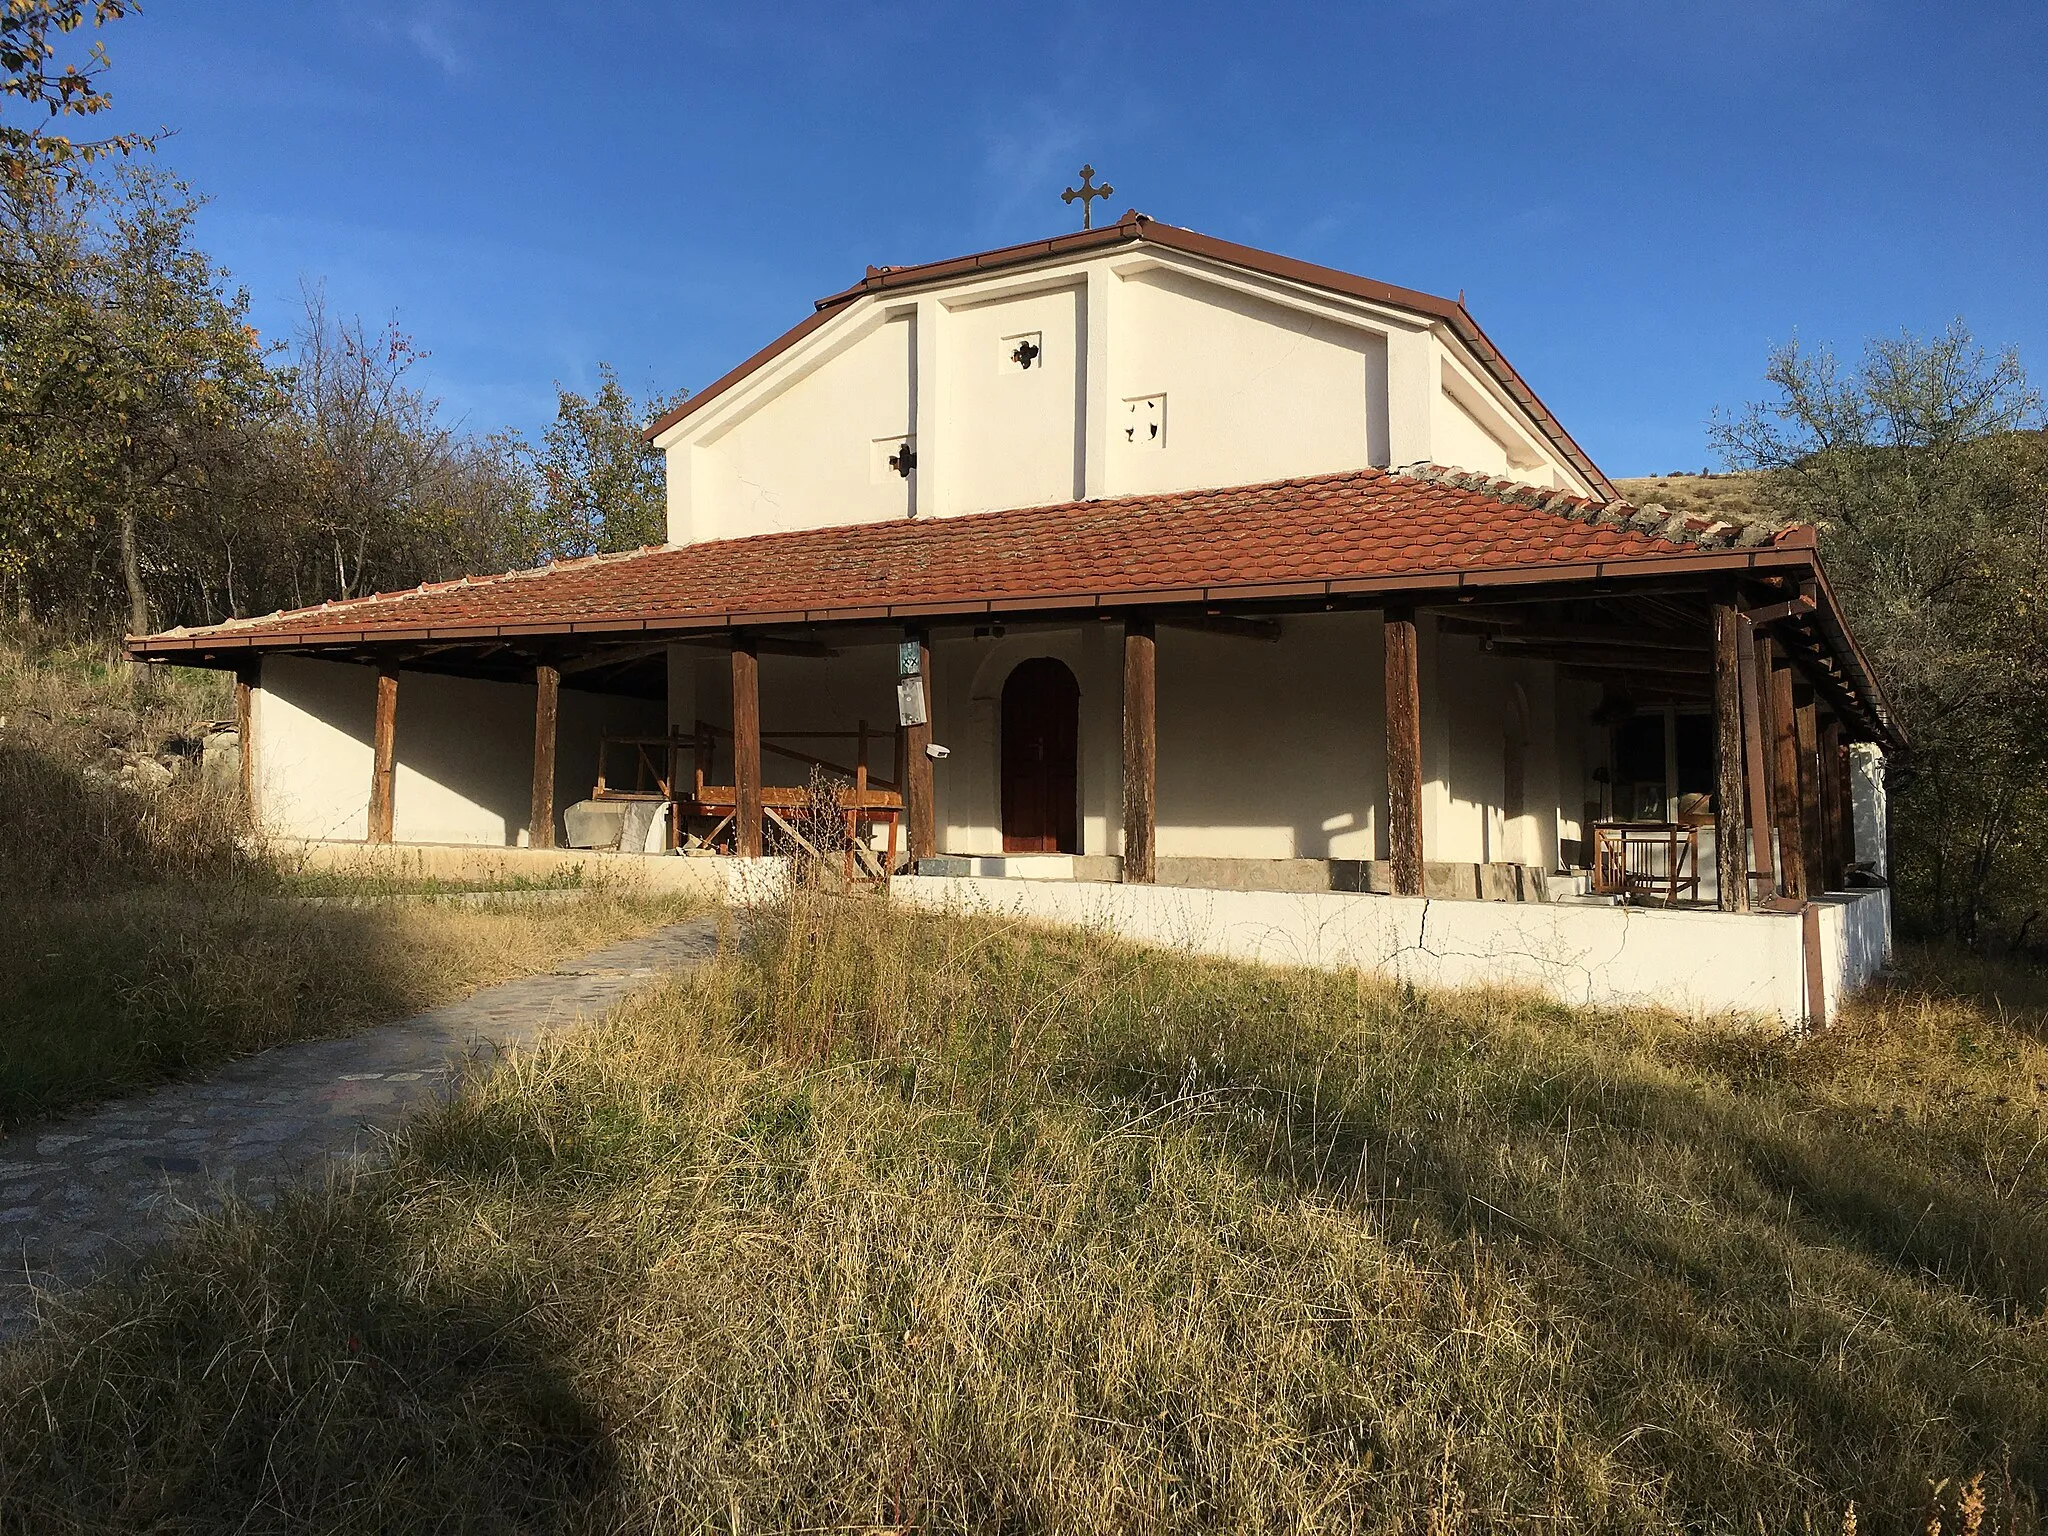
x: 1021, y: 353
x: 1145, y: 421
x: 892, y: 459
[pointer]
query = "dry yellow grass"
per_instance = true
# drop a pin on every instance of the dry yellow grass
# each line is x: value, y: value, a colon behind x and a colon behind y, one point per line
x: 1733, y: 496
x: 102, y: 996
x: 147, y: 937
x: 71, y: 826
x: 892, y: 1222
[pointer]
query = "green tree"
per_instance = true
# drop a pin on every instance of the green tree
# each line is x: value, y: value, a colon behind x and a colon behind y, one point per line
x: 34, y: 86
x: 128, y: 370
x: 358, y: 485
x: 1925, y: 468
x: 601, y: 484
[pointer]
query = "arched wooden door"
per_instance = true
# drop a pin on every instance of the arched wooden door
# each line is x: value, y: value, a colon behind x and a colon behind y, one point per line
x: 1041, y: 738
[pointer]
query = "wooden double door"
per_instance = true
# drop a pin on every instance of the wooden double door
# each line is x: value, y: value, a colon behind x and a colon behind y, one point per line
x: 1041, y: 751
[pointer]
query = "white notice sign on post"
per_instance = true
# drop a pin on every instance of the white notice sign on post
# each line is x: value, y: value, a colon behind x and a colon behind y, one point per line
x: 910, y: 701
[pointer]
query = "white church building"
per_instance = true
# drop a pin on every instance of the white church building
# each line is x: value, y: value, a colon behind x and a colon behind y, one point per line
x: 1139, y: 577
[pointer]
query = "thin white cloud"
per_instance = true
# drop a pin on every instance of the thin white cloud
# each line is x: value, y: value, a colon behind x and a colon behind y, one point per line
x: 439, y: 31
x: 430, y: 34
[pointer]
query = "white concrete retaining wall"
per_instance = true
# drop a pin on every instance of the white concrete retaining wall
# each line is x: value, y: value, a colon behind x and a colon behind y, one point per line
x: 741, y: 882
x: 1696, y: 962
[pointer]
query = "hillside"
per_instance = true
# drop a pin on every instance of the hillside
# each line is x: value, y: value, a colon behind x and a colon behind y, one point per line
x: 1708, y: 495
x: 886, y: 1222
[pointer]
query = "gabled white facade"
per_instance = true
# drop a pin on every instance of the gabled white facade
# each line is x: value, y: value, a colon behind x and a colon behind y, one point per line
x: 1122, y: 371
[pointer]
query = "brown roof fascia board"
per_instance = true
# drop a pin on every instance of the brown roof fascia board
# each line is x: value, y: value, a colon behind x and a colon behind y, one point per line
x: 1124, y: 597
x: 1132, y: 226
x: 1829, y: 617
x: 1282, y: 589
x: 1053, y: 599
x: 658, y: 622
x: 1369, y: 585
x: 1515, y: 576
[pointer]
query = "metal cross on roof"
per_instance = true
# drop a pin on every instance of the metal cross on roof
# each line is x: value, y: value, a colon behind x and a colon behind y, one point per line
x: 1086, y: 193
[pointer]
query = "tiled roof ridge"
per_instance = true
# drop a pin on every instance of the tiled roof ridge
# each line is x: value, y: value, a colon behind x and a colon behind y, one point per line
x: 425, y: 589
x: 1651, y: 519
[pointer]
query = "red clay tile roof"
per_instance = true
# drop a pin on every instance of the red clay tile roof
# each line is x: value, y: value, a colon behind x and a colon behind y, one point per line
x: 1357, y: 532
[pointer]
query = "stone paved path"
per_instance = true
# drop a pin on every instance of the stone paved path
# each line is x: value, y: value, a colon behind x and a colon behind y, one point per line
x: 81, y: 1194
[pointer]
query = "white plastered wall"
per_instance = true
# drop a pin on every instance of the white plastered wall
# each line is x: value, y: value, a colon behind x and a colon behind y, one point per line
x: 811, y: 452
x: 1697, y: 962
x: 1869, y: 801
x: 1252, y: 390
x: 1474, y: 425
x: 1267, y: 750
x: 1248, y: 378
x: 464, y: 748
x: 1488, y: 721
x: 1011, y: 435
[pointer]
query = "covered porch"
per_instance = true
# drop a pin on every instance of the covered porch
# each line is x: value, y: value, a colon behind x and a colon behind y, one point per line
x: 1690, y: 730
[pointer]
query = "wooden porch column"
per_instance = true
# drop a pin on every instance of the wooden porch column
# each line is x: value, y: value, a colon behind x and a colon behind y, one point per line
x: 1731, y: 853
x: 746, y: 747
x: 1756, y: 766
x: 1404, y: 752
x: 1834, y: 803
x: 1806, y: 734
x: 384, y: 753
x: 1786, y: 780
x: 920, y: 799
x: 248, y: 678
x: 540, y: 825
x: 1141, y: 753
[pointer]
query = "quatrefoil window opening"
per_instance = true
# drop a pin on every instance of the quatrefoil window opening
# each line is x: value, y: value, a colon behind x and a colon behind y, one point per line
x: 1025, y: 353
x: 1145, y: 421
x: 903, y: 460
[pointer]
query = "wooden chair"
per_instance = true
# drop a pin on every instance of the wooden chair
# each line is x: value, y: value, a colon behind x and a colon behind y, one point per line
x: 1647, y: 860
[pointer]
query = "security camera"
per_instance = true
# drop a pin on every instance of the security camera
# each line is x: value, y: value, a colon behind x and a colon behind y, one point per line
x: 935, y: 752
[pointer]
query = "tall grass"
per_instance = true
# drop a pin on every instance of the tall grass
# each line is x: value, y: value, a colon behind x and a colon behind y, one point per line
x: 68, y: 826
x: 888, y: 1221
x: 111, y: 995
x: 144, y: 933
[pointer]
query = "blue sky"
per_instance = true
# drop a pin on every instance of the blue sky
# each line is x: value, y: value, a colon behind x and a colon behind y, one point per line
x: 1638, y: 198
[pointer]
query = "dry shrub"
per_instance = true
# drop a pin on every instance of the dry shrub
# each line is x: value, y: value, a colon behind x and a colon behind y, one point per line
x: 888, y: 1221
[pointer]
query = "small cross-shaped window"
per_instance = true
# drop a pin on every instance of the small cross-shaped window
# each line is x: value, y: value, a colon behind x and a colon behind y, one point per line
x: 1026, y: 353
